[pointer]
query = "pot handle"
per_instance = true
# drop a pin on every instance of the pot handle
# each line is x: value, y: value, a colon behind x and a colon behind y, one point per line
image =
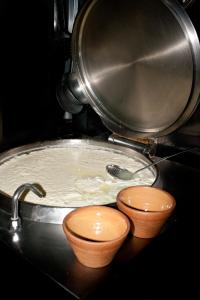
x: 147, y: 149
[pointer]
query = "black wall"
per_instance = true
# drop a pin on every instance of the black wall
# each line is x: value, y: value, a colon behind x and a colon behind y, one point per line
x: 27, y: 94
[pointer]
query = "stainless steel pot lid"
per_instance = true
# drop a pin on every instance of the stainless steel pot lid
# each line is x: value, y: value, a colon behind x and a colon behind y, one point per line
x: 137, y: 63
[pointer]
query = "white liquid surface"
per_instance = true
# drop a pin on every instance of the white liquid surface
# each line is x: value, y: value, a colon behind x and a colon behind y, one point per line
x: 71, y: 177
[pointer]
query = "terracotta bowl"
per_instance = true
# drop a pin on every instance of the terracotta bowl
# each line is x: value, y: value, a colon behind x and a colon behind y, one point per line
x: 148, y: 208
x: 95, y: 234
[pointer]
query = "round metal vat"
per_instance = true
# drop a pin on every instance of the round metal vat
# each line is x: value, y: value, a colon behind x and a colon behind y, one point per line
x: 54, y: 214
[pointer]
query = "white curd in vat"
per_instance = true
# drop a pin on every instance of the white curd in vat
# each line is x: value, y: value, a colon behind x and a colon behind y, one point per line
x: 71, y: 177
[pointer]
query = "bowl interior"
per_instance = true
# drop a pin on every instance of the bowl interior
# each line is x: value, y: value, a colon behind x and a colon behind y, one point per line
x: 97, y: 223
x: 146, y: 198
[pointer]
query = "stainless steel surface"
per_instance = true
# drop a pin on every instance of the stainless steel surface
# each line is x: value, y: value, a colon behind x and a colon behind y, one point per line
x: 137, y: 64
x: 20, y: 191
x: 124, y: 174
x: 56, y: 22
x: 50, y: 214
x: 72, y: 12
x: 148, y: 148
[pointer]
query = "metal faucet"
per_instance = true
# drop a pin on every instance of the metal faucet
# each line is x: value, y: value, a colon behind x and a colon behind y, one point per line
x: 15, y: 219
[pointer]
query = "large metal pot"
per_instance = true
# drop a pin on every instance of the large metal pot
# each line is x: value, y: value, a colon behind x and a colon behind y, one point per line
x: 50, y: 214
x: 137, y: 63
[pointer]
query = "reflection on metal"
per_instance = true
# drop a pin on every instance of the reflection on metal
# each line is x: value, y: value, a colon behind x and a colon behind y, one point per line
x: 15, y: 224
x: 110, y: 70
x: 56, y: 21
x: 73, y: 9
x: 15, y: 237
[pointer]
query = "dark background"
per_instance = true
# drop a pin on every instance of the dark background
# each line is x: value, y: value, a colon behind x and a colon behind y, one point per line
x: 32, y: 63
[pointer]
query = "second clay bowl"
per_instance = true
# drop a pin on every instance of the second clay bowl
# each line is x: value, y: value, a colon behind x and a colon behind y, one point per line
x: 148, y: 208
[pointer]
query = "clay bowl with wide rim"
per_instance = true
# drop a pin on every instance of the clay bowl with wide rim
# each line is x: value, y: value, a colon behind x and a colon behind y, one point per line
x: 95, y: 233
x: 148, y: 208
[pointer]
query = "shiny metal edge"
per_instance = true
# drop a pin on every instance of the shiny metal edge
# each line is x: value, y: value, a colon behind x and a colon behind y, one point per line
x: 53, y: 214
x: 191, y: 35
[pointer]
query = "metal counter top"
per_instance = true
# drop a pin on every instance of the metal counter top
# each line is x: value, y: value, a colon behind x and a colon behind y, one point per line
x: 140, y: 266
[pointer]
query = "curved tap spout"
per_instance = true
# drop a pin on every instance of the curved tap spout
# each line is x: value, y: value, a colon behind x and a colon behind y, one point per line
x: 26, y: 187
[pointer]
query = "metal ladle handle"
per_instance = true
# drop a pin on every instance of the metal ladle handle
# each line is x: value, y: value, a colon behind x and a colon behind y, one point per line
x: 164, y: 158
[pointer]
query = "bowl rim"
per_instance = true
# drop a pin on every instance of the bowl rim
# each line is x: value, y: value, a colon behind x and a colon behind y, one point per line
x: 95, y: 242
x: 141, y: 211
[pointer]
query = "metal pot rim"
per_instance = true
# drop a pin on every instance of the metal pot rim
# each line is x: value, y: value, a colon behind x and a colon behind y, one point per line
x: 54, y: 214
